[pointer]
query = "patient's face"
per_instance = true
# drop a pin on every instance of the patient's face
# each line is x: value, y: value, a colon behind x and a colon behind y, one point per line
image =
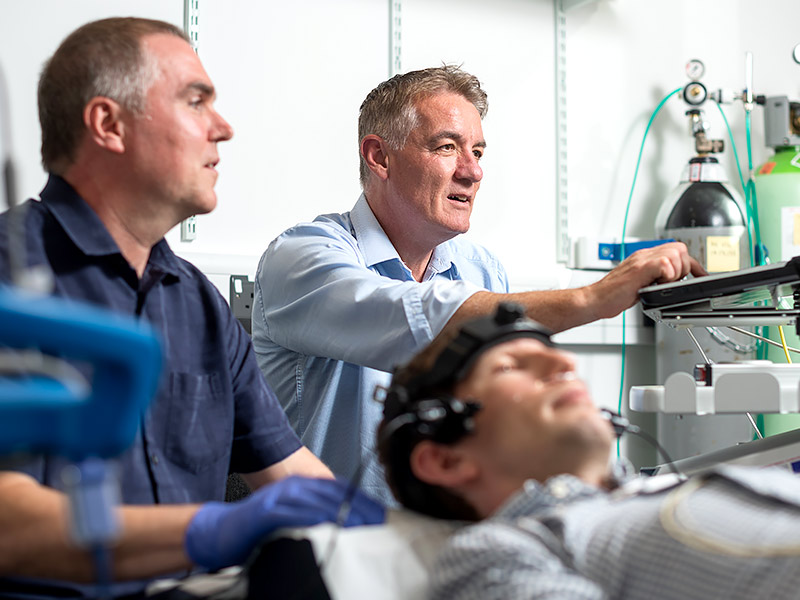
x: 538, y: 419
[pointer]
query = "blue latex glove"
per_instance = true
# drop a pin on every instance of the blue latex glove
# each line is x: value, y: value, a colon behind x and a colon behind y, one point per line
x: 222, y: 534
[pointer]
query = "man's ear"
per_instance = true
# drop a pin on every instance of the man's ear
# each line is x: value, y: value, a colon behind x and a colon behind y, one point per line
x: 440, y: 464
x: 374, y: 152
x: 103, y: 120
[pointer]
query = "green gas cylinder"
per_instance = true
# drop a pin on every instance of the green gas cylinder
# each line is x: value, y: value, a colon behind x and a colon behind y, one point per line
x: 778, y: 196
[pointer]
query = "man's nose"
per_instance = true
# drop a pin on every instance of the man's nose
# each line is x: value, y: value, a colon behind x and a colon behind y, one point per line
x: 552, y: 363
x: 221, y: 130
x: 469, y: 168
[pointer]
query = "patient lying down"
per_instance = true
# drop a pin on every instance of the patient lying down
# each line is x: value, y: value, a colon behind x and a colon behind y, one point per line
x: 492, y: 425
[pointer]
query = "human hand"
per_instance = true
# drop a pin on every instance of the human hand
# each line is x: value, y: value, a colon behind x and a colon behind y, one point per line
x: 223, y: 534
x: 617, y: 291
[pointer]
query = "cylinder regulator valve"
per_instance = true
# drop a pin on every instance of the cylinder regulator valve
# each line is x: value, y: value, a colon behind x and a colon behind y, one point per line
x: 702, y: 144
x: 695, y: 94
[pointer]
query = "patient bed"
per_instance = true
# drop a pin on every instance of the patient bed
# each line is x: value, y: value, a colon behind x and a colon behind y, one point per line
x: 392, y: 561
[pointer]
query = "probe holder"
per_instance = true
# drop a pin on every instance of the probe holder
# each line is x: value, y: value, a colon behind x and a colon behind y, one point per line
x: 41, y: 414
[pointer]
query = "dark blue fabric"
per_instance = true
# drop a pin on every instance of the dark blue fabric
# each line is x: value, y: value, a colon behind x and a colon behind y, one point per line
x: 213, y: 410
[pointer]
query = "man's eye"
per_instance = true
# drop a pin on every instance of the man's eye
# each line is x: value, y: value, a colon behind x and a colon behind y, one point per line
x: 478, y: 154
x: 447, y: 147
x: 196, y: 102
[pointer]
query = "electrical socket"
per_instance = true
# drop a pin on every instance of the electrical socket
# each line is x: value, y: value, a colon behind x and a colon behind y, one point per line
x: 189, y: 229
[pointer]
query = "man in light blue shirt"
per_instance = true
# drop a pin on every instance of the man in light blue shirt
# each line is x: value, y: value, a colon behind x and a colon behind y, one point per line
x: 341, y: 301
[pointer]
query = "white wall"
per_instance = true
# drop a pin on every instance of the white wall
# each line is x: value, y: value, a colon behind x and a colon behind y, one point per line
x: 30, y: 32
x: 291, y: 76
x: 298, y: 75
x: 624, y: 57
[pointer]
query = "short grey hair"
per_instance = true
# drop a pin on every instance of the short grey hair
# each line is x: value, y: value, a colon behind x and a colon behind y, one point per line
x: 101, y: 58
x: 389, y: 111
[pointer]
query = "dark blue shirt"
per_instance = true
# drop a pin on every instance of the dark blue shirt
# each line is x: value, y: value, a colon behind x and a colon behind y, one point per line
x: 213, y: 411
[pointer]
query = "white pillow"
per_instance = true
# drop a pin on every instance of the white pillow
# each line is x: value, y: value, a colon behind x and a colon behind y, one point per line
x: 389, y: 561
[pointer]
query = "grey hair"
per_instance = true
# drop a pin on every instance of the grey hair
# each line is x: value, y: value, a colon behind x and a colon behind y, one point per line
x: 101, y: 58
x: 389, y: 111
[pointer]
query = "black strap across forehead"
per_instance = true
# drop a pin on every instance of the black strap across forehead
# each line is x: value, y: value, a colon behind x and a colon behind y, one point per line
x: 476, y: 337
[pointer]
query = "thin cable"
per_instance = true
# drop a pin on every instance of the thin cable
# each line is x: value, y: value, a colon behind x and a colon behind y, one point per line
x: 661, y: 450
x: 707, y: 360
x: 755, y: 427
x: 762, y: 338
x: 636, y: 430
x: 342, y: 514
x: 780, y: 331
x: 751, y: 187
x: 324, y: 561
x: 346, y: 505
x: 764, y: 331
x: 624, y: 231
x: 733, y: 144
x: 741, y: 181
x: 622, y: 425
x: 783, y: 344
x: 748, y: 207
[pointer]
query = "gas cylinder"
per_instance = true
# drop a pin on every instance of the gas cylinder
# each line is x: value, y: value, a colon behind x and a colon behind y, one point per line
x: 778, y: 197
x: 777, y: 184
x: 707, y: 215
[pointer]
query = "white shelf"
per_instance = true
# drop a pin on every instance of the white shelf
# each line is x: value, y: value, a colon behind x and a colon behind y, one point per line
x: 759, y: 386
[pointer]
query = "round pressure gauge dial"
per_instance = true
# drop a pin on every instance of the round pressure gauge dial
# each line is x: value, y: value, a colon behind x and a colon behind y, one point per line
x: 695, y: 93
x: 695, y: 69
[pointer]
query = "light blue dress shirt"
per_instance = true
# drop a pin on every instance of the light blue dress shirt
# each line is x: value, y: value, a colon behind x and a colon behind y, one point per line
x: 335, y: 310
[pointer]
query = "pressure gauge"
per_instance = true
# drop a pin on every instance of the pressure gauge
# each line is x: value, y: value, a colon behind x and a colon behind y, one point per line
x: 695, y: 69
x: 796, y: 54
x: 695, y: 93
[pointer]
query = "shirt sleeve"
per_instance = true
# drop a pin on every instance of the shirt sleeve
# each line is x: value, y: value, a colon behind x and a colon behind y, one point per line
x: 315, y: 295
x: 497, y: 561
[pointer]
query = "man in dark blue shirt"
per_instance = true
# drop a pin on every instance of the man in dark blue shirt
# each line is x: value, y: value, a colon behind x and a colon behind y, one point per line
x: 129, y: 137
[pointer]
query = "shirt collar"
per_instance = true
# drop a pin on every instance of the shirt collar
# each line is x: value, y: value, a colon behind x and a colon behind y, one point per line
x: 89, y: 233
x: 377, y: 247
x: 535, y: 497
x: 441, y: 261
x: 372, y: 240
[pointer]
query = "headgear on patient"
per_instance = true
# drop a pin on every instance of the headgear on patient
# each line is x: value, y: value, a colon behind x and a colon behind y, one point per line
x: 419, y: 404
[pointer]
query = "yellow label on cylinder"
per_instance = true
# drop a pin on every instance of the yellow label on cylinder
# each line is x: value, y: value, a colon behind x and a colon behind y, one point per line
x: 722, y: 253
x: 790, y: 233
x: 796, y: 230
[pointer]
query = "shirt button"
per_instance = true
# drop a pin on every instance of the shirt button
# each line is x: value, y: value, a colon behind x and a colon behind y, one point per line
x: 154, y: 457
x: 559, y: 490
